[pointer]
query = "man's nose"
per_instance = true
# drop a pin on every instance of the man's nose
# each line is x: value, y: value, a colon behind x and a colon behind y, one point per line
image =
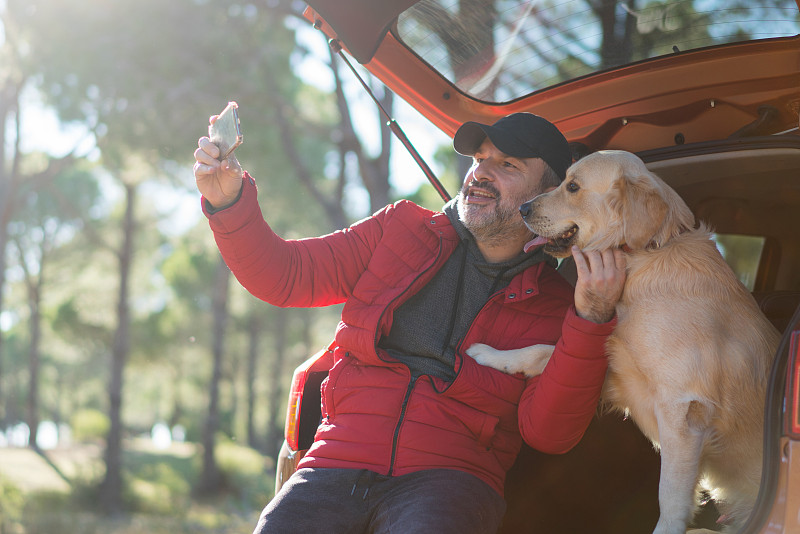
x: 481, y: 171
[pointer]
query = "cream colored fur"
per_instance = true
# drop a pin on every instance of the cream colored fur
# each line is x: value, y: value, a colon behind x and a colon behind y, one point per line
x: 689, y: 357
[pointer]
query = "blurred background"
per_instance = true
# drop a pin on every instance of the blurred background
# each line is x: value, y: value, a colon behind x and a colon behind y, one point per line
x: 141, y: 389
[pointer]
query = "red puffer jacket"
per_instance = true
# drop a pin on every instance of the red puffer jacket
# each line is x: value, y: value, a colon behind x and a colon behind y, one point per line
x: 374, y: 415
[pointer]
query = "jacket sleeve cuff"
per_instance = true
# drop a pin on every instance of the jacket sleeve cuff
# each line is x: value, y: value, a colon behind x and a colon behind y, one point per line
x: 211, y: 210
x: 575, y: 327
x: 230, y: 218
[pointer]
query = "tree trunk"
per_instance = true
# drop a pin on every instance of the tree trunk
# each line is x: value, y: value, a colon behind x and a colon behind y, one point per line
x: 374, y: 172
x: 275, y: 418
x: 618, y: 25
x: 111, y: 487
x: 211, y: 477
x: 9, y: 105
x: 4, y: 415
x: 177, y: 399
x: 254, y: 331
x: 33, y: 364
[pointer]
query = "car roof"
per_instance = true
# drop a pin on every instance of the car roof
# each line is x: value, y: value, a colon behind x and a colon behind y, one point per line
x: 689, y: 72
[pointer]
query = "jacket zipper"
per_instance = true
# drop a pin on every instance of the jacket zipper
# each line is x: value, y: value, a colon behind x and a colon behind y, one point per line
x: 410, y: 388
x: 413, y: 379
x: 396, y: 437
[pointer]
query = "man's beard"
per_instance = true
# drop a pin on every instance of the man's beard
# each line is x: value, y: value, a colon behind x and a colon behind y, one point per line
x: 492, y: 226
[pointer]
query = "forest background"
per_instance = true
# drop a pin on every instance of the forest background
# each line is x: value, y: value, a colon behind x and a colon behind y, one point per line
x: 141, y: 388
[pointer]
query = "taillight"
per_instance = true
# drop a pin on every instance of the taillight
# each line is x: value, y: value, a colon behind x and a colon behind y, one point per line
x: 316, y: 367
x: 291, y: 430
x: 793, y: 388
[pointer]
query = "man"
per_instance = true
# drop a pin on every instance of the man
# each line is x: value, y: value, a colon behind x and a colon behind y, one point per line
x: 415, y: 435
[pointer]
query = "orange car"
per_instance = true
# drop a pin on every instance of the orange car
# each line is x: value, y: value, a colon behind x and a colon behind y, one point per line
x: 707, y: 93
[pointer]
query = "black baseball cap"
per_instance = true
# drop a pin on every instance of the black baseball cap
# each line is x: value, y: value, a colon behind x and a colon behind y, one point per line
x: 521, y: 135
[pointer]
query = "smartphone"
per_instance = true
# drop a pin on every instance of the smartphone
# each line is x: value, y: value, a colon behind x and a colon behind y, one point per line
x: 226, y: 131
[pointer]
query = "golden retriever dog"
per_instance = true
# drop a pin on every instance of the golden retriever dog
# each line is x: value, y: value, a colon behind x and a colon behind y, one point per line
x: 690, y: 355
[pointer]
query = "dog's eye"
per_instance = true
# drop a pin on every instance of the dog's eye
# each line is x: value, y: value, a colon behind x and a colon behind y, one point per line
x: 572, y: 187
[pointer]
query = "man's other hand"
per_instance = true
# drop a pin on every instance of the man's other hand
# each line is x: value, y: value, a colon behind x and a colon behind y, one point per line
x: 601, y: 277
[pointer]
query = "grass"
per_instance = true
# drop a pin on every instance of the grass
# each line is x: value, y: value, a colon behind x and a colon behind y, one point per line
x: 36, y: 499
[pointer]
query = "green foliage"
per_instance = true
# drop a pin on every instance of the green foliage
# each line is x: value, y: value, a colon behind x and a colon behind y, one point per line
x: 187, y: 271
x: 11, y: 505
x: 142, y: 79
x: 159, y: 484
x: 245, y: 468
x: 203, y: 520
x: 157, y: 495
x: 89, y: 425
x: 450, y: 178
x: 147, y: 78
x: 743, y: 254
x: 44, y: 514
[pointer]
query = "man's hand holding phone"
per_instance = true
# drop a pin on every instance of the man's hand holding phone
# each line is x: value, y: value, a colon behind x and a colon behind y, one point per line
x: 218, y: 178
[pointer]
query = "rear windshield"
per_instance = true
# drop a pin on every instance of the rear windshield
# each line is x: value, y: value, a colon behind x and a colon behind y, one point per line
x: 501, y: 50
x: 743, y: 255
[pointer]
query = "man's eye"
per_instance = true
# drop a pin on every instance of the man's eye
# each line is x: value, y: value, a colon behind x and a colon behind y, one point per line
x: 509, y: 164
x: 572, y: 187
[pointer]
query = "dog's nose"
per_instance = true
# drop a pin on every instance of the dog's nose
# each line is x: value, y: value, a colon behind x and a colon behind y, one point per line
x: 525, y: 210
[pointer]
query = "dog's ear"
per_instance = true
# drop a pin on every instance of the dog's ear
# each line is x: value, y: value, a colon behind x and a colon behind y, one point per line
x: 643, y: 210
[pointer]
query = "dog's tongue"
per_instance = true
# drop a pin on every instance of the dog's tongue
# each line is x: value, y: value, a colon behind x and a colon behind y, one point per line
x: 535, y: 242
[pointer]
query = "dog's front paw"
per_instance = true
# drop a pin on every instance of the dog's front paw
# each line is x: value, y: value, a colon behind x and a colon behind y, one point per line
x: 529, y: 361
x: 490, y: 357
x: 502, y: 360
x: 482, y: 353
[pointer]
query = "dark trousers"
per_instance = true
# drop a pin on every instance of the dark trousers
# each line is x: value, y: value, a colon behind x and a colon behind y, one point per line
x: 440, y: 501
